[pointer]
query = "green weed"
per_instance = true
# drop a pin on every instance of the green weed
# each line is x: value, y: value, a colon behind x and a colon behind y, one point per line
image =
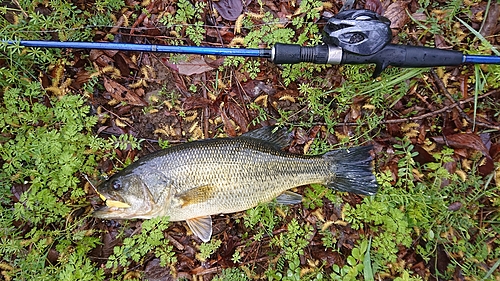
x: 186, y: 22
x: 207, y: 249
x: 235, y: 274
x: 149, y: 239
x: 410, y: 211
x: 291, y: 245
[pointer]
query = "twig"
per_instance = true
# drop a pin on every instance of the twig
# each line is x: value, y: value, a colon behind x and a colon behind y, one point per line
x: 21, y: 8
x: 423, y: 116
x: 443, y: 89
x: 205, y: 110
x: 176, y: 243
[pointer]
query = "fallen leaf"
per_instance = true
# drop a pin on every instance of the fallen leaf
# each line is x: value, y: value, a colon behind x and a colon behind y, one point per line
x: 396, y: 13
x: 490, y: 24
x: 195, y: 102
x: 374, y: 5
x: 82, y: 76
x: 122, y: 65
x: 423, y: 156
x: 193, y: 65
x: 236, y: 113
x: 470, y: 141
x: 224, y: 32
x: 228, y: 125
x: 467, y: 140
x: 229, y: 9
x: 121, y: 93
x: 153, y: 271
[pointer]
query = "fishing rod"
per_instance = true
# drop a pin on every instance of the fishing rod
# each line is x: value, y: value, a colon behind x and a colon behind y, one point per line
x: 350, y: 37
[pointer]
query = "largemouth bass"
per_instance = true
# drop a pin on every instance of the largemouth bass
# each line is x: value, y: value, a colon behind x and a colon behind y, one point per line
x: 195, y: 180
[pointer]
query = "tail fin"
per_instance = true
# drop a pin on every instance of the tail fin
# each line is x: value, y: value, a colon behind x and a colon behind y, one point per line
x: 353, y: 170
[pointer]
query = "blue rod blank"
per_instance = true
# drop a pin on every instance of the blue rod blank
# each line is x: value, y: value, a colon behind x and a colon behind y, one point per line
x: 147, y: 48
x: 481, y: 59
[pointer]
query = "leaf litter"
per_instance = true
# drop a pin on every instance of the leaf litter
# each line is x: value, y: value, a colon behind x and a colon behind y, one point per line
x: 156, y: 108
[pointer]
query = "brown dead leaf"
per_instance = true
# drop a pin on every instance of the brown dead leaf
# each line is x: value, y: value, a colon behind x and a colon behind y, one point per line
x: 224, y: 32
x: 153, y: 271
x: 301, y: 136
x: 195, y: 102
x: 490, y: 25
x: 193, y: 65
x: 82, y: 76
x: 229, y: 9
x: 467, y: 140
x: 121, y: 93
x: 423, y: 156
x: 470, y: 141
x: 396, y: 13
x: 100, y: 58
x: 236, y: 113
x: 254, y: 88
x: 374, y: 5
x: 440, y: 42
x: 229, y: 127
x: 122, y: 65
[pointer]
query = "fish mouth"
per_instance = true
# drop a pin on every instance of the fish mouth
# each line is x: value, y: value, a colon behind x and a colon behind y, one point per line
x: 116, y: 207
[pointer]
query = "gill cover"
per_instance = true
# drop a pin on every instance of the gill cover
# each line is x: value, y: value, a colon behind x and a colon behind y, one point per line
x: 362, y: 32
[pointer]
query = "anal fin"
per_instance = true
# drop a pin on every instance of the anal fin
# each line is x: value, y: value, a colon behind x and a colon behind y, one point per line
x: 201, y: 227
x: 289, y: 198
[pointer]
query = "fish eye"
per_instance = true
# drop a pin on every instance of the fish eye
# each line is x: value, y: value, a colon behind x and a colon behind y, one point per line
x: 116, y: 184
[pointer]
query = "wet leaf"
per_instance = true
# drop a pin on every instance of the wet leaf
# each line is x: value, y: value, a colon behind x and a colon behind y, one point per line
x: 467, y: 140
x: 193, y: 65
x: 195, y: 102
x: 121, y: 93
x: 229, y: 9
x: 396, y: 13
x: 236, y: 113
x: 154, y: 271
x: 490, y: 25
x: 229, y: 127
x: 122, y: 65
x: 470, y: 141
x: 374, y: 5
x: 423, y: 156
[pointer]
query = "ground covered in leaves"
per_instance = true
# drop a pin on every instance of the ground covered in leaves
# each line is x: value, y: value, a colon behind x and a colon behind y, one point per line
x: 68, y: 114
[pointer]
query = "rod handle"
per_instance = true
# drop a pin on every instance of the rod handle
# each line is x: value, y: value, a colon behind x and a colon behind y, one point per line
x: 293, y: 53
x: 405, y: 56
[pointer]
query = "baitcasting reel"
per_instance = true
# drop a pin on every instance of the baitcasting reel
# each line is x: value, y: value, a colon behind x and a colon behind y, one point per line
x: 361, y: 32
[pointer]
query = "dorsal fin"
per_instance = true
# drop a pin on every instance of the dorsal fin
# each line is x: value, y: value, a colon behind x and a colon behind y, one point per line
x: 279, y: 137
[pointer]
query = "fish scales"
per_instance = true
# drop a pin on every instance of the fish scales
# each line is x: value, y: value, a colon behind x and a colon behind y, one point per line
x: 243, y: 173
x: 195, y: 180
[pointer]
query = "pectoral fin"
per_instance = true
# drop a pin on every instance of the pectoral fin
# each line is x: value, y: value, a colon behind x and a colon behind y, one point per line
x: 201, y: 227
x: 289, y: 198
x: 197, y: 195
